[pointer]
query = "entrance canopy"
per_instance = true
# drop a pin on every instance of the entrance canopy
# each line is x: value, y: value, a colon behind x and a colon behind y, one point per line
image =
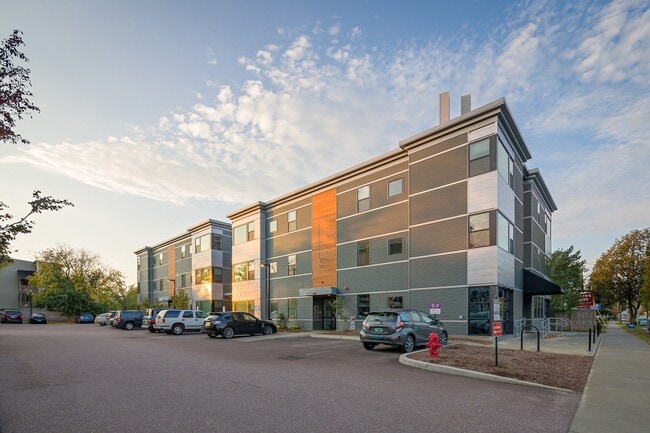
x: 319, y: 291
x: 536, y: 285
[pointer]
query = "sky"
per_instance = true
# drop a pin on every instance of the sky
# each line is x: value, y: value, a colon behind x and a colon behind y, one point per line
x: 157, y: 115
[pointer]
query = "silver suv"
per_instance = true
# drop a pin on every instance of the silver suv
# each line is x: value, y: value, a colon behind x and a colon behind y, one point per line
x: 178, y: 321
x: 404, y: 328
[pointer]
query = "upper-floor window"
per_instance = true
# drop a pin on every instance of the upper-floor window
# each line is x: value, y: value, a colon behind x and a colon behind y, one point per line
x: 505, y: 234
x: 244, y: 233
x: 206, y: 242
x: 505, y: 164
x: 363, y: 198
x: 217, y: 242
x: 363, y: 253
x: 292, y: 222
x: 273, y: 226
x: 161, y: 259
x: 208, y: 275
x: 291, y: 268
x: 244, y: 271
x: 273, y: 267
x: 479, y: 230
x: 479, y: 157
x: 395, y: 246
x: 395, y: 187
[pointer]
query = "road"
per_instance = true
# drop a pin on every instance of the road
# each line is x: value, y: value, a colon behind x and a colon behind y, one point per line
x: 86, y: 378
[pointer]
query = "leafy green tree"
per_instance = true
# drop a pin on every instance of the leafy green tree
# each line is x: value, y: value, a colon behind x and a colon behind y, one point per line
x: 63, y: 269
x: 14, y: 88
x: 618, y: 275
x: 567, y: 269
x: 180, y: 300
x: 129, y: 299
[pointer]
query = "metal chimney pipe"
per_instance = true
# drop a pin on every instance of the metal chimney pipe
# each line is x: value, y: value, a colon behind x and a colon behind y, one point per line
x: 465, y: 104
x: 444, y: 107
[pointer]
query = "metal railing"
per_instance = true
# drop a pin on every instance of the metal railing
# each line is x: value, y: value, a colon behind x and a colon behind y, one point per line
x: 559, y: 325
x: 519, y: 326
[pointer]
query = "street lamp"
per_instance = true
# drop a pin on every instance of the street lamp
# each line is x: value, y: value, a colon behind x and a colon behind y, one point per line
x: 267, y: 289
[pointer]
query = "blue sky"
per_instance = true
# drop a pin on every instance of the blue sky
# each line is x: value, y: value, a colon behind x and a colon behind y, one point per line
x: 156, y: 115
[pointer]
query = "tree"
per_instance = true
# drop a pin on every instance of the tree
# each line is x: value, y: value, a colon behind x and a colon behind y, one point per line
x: 567, y: 269
x: 14, y: 88
x: 10, y: 230
x: 618, y: 275
x: 72, y: 281
x: 180, y: 300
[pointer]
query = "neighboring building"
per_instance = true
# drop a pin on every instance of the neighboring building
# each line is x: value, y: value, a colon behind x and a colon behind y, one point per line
x: 15, y: 291
x: 197, y: 261
x: 452, y: 217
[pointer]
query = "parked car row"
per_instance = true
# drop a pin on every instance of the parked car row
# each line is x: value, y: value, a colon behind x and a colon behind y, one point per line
x: 16, y: 316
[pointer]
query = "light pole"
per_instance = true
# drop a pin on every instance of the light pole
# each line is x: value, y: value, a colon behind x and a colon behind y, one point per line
x: 267, y: 288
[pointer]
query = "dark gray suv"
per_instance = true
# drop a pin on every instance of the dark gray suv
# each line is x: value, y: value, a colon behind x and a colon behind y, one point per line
x: 405, y: 328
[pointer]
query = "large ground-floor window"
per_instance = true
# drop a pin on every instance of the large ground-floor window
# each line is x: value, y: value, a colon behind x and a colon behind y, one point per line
x: 479, y: 310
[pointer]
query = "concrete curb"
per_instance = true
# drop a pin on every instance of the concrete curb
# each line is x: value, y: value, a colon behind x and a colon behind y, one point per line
x: 437, y: 368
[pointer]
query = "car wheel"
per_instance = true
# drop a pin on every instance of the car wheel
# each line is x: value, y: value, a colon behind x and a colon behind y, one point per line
x: 442, y: 339
x: 409, y: 344
x: 177, y: 329
x: 227, y: 332
x: 128, y: 326
x: 267, y: 330
x: 369, y: 346
x: 152, y: 330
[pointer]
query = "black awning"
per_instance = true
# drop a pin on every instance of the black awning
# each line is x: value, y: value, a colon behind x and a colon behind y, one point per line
x: 24, y: 274
x: 536, y: 285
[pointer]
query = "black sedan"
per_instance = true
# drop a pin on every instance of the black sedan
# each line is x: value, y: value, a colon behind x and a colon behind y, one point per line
x: 231, y: 323
x: 38, y: 318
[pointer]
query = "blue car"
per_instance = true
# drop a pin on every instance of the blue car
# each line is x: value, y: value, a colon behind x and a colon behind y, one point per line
x: 84, y: 318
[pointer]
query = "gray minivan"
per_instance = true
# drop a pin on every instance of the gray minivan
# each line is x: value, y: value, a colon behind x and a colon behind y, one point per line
x: 405, y: 328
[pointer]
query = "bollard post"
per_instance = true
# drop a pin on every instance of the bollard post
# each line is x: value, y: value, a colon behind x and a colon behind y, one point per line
x: 590, y: 339
x: 594, y: 335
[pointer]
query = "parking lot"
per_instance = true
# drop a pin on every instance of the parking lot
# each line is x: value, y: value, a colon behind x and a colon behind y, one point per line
x: 71, y: 378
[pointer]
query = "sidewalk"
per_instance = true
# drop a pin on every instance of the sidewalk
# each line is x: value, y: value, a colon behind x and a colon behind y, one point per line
x: 617, y: 395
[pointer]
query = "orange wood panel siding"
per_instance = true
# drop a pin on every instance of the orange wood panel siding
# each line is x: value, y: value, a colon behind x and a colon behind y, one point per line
x: 323, y: 241
x: 171, y: 270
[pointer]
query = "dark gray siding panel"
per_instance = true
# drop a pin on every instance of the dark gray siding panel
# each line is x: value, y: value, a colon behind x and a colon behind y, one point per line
x: 373, y: 223
x: 347, y: 253
x: 453, y: 300
x: 275, y: 211
x: 442, y: 170
x: 289, y: 243
x: 303, y: 265
x: 368, y: 279
x: 438, y: 148
x: 346, y: 203
x: 519, y: 245
x: 519, y: 275
x: 373, y: 177
x: 441, y: 237
x: 303, y: 220
x: 183, y: 266
x: 289, y: 287
x: 437, y: 271
x: 439, y: 204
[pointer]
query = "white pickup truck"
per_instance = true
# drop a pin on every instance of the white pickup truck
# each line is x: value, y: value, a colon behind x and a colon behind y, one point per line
x: 178, y: 321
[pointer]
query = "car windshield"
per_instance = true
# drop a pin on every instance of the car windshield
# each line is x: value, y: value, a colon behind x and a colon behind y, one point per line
x: 382, y: 317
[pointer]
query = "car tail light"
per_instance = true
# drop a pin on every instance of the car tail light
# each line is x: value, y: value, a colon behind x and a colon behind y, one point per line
x: 399, y: 324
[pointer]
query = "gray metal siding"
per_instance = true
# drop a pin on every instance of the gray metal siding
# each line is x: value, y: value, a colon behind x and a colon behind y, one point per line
x: 439, y: 204
x: 438, y: 148
x: 303, y: 220
x: 347, y: 253
x: 442, y: 170
x: 453, y: 301
x: 275, y: 211
x: 373, y: 223
x: 441, y: 237
x: 289, y: 243
x: 289, y: 287
x: 368, y: 279
x: 439, y: 271
x: 370, y: 178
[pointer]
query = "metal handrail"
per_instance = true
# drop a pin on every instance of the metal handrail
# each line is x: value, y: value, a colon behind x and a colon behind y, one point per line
x: 519, y: 325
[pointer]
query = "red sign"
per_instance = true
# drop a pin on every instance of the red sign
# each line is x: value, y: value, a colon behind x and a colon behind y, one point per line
x: 496, y: 329
x: 586, y: 300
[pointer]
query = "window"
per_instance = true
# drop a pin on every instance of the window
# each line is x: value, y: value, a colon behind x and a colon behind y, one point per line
x: 505, y: 234
x: 395, y: 302
x: 479, y: 310
x: 395, y: 246
x: 250, y: 231
x: 240, y: 234
x: 185, y: 280
x: 207, y: 275
x: 217, y: 242
x: 273, y: 267
x: 246, y: 306
x: 293, y: 309
x: 505, y: 165
x: 479, y: 230
x: 363, y: 198
x: 291, y: 269
x: 207, y: 242
x: 188, y: 314
x: 139, y: 260
x: 244, y: 271
x: 291, y: 219
x: 395, y: 187
x: 273, y: 226
x: 161, y: 259
x: 479, y: 157
x: 184, y: 251
x: 363, y: 306
x: 160, y: 285
x: 363, y: 253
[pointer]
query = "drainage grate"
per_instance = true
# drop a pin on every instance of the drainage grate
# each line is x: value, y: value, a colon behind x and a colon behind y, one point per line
x: 291, y: 358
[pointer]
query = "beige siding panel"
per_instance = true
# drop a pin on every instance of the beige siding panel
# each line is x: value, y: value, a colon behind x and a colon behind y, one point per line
x: 482, y: 192
x: 482, y: 266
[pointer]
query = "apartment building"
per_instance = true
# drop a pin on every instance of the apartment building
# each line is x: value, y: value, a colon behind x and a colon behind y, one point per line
x: 197, y: 261
x: 452, y: 222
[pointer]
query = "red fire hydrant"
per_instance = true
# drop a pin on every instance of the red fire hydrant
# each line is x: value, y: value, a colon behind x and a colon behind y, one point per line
x: 433, y: 344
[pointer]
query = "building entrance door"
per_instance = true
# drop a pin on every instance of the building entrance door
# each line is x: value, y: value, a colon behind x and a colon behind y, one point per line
x: 323, y: 315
